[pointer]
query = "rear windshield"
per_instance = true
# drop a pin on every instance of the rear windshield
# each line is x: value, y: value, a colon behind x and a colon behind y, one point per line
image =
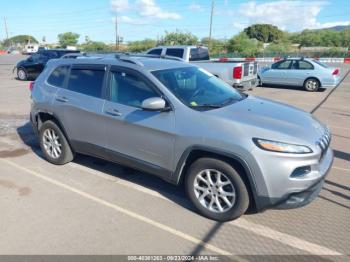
x: 198, y: 54
x: 320, y: 63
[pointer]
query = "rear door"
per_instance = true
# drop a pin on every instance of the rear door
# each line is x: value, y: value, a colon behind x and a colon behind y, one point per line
x: 303, y: 69
x: 79, y: 107
x: 145, y: 137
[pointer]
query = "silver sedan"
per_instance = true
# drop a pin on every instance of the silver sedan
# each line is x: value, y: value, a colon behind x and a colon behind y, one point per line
x: 308, y: 73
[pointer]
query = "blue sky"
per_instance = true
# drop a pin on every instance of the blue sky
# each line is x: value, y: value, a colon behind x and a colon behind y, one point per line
x: 139, y: 19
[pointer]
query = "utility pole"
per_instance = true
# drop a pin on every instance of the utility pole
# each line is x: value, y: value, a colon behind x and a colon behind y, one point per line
x: 116, y: 33
x: 5, y: 23
x: 211, y: 22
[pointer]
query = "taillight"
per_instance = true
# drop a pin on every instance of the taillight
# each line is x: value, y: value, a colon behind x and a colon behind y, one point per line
x: 223, y: 59
x: 335, y: 72
x: 237, y: 72
x: 31, y: 86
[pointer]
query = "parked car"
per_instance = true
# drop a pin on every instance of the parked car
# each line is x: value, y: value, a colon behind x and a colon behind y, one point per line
x: 238, y: 73
x: 181, y: 123
x: 30, y: 49
x: 31, y: 67
x: 305, y: 72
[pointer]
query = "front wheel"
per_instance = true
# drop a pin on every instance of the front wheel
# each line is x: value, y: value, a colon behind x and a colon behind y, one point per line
x: 217, y: 189
x: 312, y: 85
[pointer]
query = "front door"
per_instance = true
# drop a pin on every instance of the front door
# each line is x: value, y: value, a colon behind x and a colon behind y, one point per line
x: 141, y: 137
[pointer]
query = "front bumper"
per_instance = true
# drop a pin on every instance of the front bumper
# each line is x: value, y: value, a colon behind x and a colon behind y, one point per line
x: 284, y: 191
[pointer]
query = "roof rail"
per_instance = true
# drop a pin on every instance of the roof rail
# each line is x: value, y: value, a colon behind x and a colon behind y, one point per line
x: 126, y: 54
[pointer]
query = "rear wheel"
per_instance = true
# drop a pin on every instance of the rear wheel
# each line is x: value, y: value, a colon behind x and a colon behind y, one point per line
x: 21, y: 74
x: 216, y: 189
x: 311, y: 85
x: 54, y: 144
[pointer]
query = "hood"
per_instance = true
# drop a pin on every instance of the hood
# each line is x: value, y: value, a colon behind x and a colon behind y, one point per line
x: 22, y: 62
x: 263, y: 118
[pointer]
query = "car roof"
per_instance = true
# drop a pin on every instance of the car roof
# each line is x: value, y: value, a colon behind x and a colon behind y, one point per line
x: 145, y: 63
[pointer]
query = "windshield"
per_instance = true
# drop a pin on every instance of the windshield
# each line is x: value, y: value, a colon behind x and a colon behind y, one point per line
x: 197, y: 88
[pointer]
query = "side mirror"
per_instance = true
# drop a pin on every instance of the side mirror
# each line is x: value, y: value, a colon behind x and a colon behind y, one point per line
x: 30, y: 59
x: 154, y: 104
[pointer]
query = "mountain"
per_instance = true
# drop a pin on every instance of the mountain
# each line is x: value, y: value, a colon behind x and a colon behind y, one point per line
x: 338, y: 28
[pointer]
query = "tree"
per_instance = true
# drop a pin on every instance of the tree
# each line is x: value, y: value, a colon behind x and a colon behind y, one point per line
x: 67, y: 39
x: 217, y: 47
x: 140, y: 46
x: 95, y: 46
x: 19, y: 39
x: 244, y: 45
x: 264, y: 32
x: 179, y: 38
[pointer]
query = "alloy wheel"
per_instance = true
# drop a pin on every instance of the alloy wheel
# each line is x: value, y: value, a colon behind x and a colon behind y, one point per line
x: 52, y: 144
x: 214, y: 190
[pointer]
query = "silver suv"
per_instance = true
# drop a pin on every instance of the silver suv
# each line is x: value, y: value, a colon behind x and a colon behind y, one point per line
x: 181, y: 123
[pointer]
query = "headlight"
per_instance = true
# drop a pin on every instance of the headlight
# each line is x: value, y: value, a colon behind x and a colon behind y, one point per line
x: 276, y: 146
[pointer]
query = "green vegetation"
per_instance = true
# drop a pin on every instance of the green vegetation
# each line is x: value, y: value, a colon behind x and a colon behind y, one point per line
x: 179, y: 38
x: 19, y: 39
x: 67, y: 39
x: 140, y: 46
x: 255, y: 40
x: 264, y: 32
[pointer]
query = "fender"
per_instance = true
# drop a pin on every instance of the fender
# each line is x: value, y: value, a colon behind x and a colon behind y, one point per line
x: 178, y: 174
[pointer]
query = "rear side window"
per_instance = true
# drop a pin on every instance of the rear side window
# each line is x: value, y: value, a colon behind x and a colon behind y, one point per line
x: 57, y: 76
x: 177, y: 52
x: 86, y: 81
x: 157, y: 51
x: 197, y: 54
x: 303, y: 65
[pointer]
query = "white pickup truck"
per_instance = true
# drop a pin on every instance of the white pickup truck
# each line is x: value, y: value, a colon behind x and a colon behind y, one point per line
x: 237, y: 73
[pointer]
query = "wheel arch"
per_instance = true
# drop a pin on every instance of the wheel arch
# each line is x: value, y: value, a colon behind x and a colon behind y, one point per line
x: 42, y: 116
x: 313, y: 77
x: 195, y: 152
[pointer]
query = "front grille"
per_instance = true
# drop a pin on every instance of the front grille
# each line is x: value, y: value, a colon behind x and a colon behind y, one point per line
x: 324, y: 142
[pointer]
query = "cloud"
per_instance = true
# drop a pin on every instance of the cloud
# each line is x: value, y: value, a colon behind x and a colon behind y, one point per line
x: 131, y: 21
x: 119, y: 5
x: 288, y: 15
x: 148, y: 8
x: 194, y: 7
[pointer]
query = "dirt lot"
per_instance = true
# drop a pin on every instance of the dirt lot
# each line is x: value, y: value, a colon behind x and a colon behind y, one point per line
x: 94, y: 207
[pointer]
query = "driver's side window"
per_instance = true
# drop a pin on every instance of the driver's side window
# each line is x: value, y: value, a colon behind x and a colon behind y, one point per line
x: 129, y: 89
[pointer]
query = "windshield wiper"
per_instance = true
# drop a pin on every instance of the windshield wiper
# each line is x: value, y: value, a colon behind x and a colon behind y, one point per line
x: 228, y: 101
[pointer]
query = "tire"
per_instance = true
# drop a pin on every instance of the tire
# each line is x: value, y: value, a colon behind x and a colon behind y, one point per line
x: 311, y: 85
x: 51, y: 137
x: 238, y: 203
x: 22, y: 74
x: 259, y: 82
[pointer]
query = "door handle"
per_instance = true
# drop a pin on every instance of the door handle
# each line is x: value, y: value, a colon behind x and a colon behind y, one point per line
x: 113, y: 112
x: 62, y: 99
